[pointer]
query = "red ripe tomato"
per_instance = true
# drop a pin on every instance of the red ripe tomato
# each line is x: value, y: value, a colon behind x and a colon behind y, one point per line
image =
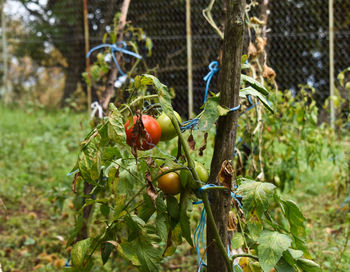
x: 153, y: 133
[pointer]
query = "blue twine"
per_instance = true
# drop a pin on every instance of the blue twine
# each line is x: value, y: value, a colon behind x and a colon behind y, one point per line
x: 190, y: 124
x: 250, y: 107
x: 199, y: 232
x: 233, y: 195
x: 236, y: 108
x: 213, y: 67
x: 67, y: 262
x: 115, y: 48
x: 72, y: 173
x: 199, y: 236
x: 345, y: 201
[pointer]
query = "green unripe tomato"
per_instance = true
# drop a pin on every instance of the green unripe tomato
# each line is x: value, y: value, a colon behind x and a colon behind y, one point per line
x: 167, y: 128
x: 201, y: 171
x: 202, y: 174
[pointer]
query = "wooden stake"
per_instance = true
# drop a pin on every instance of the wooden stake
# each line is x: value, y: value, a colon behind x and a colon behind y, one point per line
x: 189, y: 58
x: 4, y: 53
x: 112, y: 77
x: 229, y: 86
x: 87, y: 49
x: 331, y: 61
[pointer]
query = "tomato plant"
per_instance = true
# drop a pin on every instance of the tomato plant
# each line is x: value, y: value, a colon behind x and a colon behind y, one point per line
x: 144, y: 134
x: 144, y: 224
x: 168, y: 130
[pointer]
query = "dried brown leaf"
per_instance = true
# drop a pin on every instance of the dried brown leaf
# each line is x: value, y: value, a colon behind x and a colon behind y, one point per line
x: 114, y: 243
x: 260, y: 44
x: 75, y: 180
x: 257, y: 21
x: 269, y: 73
x: 204, y: 146
x: 232, y: 225
x: 252, y: 52
x: 151, y: 191
x: 225, y: 174
x: 191, y: 142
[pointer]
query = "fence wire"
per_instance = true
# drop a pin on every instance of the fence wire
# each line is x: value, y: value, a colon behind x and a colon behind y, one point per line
x: 297, y: 40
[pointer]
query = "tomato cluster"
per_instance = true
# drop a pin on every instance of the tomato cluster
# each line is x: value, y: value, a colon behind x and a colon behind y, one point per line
x: 156, y: 130
x: 152, y: 135
x: 147, y: 135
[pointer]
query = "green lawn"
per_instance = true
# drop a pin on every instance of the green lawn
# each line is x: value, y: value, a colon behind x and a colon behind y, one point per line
x: 37, y: 149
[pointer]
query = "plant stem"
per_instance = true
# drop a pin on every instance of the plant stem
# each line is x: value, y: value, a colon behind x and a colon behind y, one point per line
x: 207, y: 15
x: 134, y: 196
x: 168, y: 171
x: 138, y: 99
x: 217, y: 238
x: 190, y: 162
x: 245, y: 255
x: 211, y: 220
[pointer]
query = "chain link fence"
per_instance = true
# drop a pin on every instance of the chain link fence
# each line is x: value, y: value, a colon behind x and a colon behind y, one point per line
x: 298, y: 45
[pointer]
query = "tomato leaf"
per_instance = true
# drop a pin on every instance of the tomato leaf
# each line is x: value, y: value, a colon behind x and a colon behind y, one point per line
x: 146, y: 210
x: 237, y: 240
x: 255, y: 227
x: 185, y: 210
x: 148, y: 255
x: 173, y: 207
x: 295, y: 218
x: 308, y: 265
x: 163, y: 94
x: 255, y: 84
x: 283, y: 266
x: 89, y: 160
x: 162, y: 226
x: 210, y: 114
x: 256, y: 195
x: 127, y: 251
x: 116, y: 130
x: 251, y: 91
x: 80, y: 252
x: 135, y: 225
x: 272, y: 244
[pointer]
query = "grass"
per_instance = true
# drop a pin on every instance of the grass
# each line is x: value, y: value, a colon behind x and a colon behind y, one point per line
x: 37, y: 149
x: 321, y: 193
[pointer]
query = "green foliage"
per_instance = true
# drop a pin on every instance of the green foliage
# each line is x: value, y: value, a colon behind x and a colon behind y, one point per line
x: 277, y: 243
x: 147, y: 225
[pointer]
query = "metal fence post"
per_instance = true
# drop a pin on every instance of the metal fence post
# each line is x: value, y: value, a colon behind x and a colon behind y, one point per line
x: 331, y: 61
x: 4, y: 52
x: 189, y: 58
x: 87, y: 48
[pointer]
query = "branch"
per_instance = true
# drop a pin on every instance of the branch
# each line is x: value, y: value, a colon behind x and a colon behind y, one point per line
x: 109, y: 91
x: 211, y: 220
x: 34, y: 12
x: 207, y: 15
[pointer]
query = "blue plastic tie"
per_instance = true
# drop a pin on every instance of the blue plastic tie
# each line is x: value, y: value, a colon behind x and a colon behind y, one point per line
x: 199, y: 236
x: 213, y: 67
x: 115, y: 48
x: 67, y: 262
x: 345, y: 201
x: 250, y: 107
x: 236, y: 108
x: 190, y: 124
x: 73, y: 173
x: 199, y: 232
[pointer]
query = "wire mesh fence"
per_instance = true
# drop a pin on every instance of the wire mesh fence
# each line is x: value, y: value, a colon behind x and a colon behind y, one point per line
x: 297, y: 40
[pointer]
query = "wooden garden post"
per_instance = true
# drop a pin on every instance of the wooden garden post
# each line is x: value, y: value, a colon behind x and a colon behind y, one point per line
x: 229, y: 86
